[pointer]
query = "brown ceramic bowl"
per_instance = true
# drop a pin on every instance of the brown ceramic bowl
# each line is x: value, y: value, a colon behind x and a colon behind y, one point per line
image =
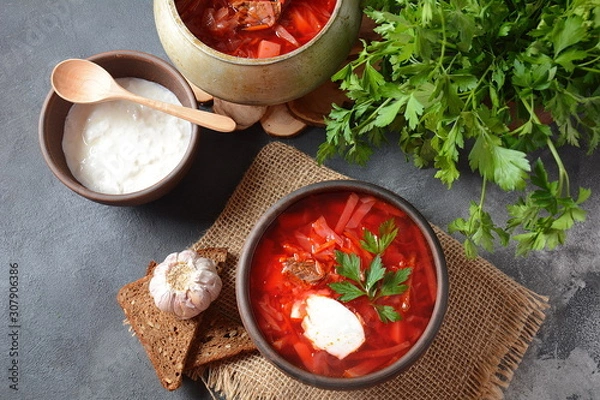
x: 120, y: 64
x: 245, y: 271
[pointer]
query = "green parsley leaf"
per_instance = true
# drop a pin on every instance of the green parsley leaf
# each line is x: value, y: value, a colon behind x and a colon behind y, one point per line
x: 377, y: 282
x: 545, y: 214
x: 392, y: 282
x: 414, y: 109
x: 347, y: 291
x: 348, y: 265
x: 377, y: 244
x: 567, y: 33
x: 388, y: 313
x: 374, y: 274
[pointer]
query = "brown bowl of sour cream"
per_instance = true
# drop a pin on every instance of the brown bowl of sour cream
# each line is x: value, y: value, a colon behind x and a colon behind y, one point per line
x: 117, y: 152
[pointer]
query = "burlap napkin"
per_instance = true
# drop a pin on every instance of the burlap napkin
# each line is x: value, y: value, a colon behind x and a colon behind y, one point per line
x: 490, y: 322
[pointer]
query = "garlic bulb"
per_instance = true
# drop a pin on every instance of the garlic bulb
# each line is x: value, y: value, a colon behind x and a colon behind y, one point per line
x: 185, y: 284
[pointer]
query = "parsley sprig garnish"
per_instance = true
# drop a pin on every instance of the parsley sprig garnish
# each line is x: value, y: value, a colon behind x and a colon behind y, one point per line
x: 447, y: 80
x: 375, y: 282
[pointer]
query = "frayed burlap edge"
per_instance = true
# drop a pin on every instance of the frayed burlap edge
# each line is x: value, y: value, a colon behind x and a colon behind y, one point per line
x: 490, y: 322
x: 504, y: 367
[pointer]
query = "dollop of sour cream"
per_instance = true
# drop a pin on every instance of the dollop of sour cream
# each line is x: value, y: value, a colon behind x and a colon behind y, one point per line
x: 120, y: 147
x: 332, y: 327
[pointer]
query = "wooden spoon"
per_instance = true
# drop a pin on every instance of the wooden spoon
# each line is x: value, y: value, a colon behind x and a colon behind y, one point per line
x: 82, y: 81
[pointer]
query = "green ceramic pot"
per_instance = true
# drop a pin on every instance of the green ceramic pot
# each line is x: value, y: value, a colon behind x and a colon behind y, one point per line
x: 266, y: 81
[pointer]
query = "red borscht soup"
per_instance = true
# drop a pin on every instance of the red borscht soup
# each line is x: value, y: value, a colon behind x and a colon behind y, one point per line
x: 342, y: 284
x: 255, y: 28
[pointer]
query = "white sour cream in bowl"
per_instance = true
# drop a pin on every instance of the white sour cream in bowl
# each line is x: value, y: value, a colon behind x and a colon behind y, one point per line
x: 120, y: 147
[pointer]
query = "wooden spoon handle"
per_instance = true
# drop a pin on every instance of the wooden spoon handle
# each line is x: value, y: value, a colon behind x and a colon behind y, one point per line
x: 216, y: 122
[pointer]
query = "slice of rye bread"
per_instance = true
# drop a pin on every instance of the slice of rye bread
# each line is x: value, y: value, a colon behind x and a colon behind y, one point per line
x: 218, y: 338
x: 166, y: 338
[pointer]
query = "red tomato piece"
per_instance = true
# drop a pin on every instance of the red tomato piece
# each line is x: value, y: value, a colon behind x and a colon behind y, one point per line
x: 267, y: 49
x: 346, y: 213
x: 360, y: 212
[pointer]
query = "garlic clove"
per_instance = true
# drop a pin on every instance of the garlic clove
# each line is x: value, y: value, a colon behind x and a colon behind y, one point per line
x: 197, y: 299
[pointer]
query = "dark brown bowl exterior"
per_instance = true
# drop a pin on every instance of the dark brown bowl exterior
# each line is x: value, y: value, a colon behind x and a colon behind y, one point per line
x: 243, y: 290
x: 120, y: 64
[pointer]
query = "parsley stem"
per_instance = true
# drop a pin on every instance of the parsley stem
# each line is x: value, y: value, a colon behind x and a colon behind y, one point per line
x: 483, y: 190
x: 472, y: 93
x: 480, y: 206
x: 373, y: 115
x: 528, y: 102
x: 443, y: 43
x: 594, y: 70
x: 578, y: 98
x: 592, y: 61
x: 563, y: 176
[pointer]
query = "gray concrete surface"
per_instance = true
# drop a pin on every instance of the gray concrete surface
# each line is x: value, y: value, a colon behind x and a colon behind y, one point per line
x: 71, y: 255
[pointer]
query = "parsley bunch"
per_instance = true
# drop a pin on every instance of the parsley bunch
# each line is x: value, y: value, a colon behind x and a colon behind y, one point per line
x: 376, y: 281
x: 467, y: 78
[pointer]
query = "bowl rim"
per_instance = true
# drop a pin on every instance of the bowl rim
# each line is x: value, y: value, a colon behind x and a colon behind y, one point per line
x: 132, y: 198
x: 243, y: 291
x: 244, y: 60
